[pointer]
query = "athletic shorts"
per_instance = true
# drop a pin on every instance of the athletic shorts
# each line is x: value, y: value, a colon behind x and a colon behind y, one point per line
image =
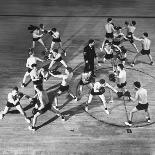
x: 130, y: 37
x: 109, y: 56
x: 116, y: 43
x: 142, y: 106
x: 63, y: 88
x: 56, y: 40
x: 36, y: 39
x: 95, y: 93
x: 109, y: 35
x: 58, y: 60
x: 46, y: 108
x: 121, y: 85
x: 145, y: 52
x: 38, y: 82
x: 8, y: 104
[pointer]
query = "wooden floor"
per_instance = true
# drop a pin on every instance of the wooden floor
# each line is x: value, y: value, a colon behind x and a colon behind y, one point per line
x: 92, y: 133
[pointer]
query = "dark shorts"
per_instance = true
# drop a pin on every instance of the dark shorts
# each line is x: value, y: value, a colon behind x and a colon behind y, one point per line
x: 81, y: 83
x: 8, y: 104
x: 116, y: 43
x: 64, y: 88
x: 38, y: 82
x: 109, y: 35
x: 46, y: 108
x: 36, y: 39
x: 29, y: 70
x: 95, y: 93
x: 130, y: 37
x: 56, y: 40
x: 145, y: 52
x: 142, y: 106
x: 109, y: 56
x: 121, y: 85
x: 58, y: 60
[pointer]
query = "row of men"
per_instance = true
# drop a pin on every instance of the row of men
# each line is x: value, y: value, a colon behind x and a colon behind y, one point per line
x: 97, y: 88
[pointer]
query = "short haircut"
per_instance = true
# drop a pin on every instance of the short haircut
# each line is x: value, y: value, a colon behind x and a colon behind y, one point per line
x: 121, y: 66
x: 31, y: 51
x: 55, y: 50
x: 15, y: 88
x: 137, y: 84
x: 54, y: 29
x: 109, y: 19
x: 133, y: 22
x: 91, y: 41
x: 145, y: 34
x: 69, y: 69
x: 102, y: 81
x: 34, y: 65
x: 126, y: 23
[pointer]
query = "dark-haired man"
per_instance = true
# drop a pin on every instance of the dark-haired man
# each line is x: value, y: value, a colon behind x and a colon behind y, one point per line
x: 31, y: 60
x: 99, y: 89
x: 141, y: 97
x: 14, y: 98
x: 146, y: 43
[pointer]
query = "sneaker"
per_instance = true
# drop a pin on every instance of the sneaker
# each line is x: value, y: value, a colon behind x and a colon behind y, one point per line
x: 128, y: 124
x: 27, y: 120
x: 1, y: 116
x: 55, y: 107
x: 32, y: 128
x: 148, y: 120
x: 75, y: 99
x: 23, y: 85
x: 151, y: 63
x: 107, y: 112
x: 132, y: 64
x: 63, y: 117
x: 45, y: 79
x: 86, y: 108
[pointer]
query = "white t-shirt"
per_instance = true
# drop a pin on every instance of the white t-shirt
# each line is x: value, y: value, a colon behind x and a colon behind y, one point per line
x: 122, y: 76
x: 141, y: 96
x: 31, y: 60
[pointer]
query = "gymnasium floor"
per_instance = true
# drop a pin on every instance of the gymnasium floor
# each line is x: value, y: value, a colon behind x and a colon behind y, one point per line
x: 92, y: 133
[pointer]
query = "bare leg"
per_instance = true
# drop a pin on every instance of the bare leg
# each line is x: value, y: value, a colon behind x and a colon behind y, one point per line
x: 25, y: 76
x: 33, y: 44
x: 52, y: 45
x: 64, y: 63
x: 137, y: 55
x: 150, y: 57
x: 104, y: 103
x: 42, y: 43
x: 134, y: 45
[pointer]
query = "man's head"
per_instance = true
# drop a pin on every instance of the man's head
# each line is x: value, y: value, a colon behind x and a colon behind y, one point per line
x: 137, y: 85
x: 102, y: 81
x: 120, y: 67
x: 15, y: 90
x: 91, y: 42
x: 145, y: 34
x: 109, y: 20
x: 133, y: 22
x: 54, y: 30
x: 31, y: 51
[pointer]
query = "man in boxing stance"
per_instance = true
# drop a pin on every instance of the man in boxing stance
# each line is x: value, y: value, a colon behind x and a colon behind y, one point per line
x: 99, y: 89
x: 14, y: 98
x: 42, y: 106
x: 31, y: 60
x: 56, y: 39
x: 141, y: 97
x: 64, y: 87
x: 146, y: 43
x: 56, y: 57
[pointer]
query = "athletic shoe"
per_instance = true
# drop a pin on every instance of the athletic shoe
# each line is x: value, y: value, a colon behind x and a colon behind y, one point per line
x: 1, y: 116
x: 27, y: 120
x: 128, y: 124
x: 132, y: 64
x: 55, y: 107
x: 63, y: 117
x: 86, y: 108
x: 148, y: 120
x: 23, y: 85
x: 75, y: 99
x: 32, y: 128
x: 151, y: 63
x: 107, y: 112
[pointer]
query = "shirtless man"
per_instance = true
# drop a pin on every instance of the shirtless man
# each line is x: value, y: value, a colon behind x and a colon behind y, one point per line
x: 109, y: 27
x: 31, y: 60
x: 55, y: 58
x: 14, y: 98
x: 130, y: 29
x: 43, y: 106
x: 141, y: 97
x: 56, y: 39
x: 98, y: 89
x: 146, y: 43
x: 37, y: 37
x: 66, y: 79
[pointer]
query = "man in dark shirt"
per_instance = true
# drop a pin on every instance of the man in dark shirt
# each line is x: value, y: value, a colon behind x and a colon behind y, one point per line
x: 89, y: 55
